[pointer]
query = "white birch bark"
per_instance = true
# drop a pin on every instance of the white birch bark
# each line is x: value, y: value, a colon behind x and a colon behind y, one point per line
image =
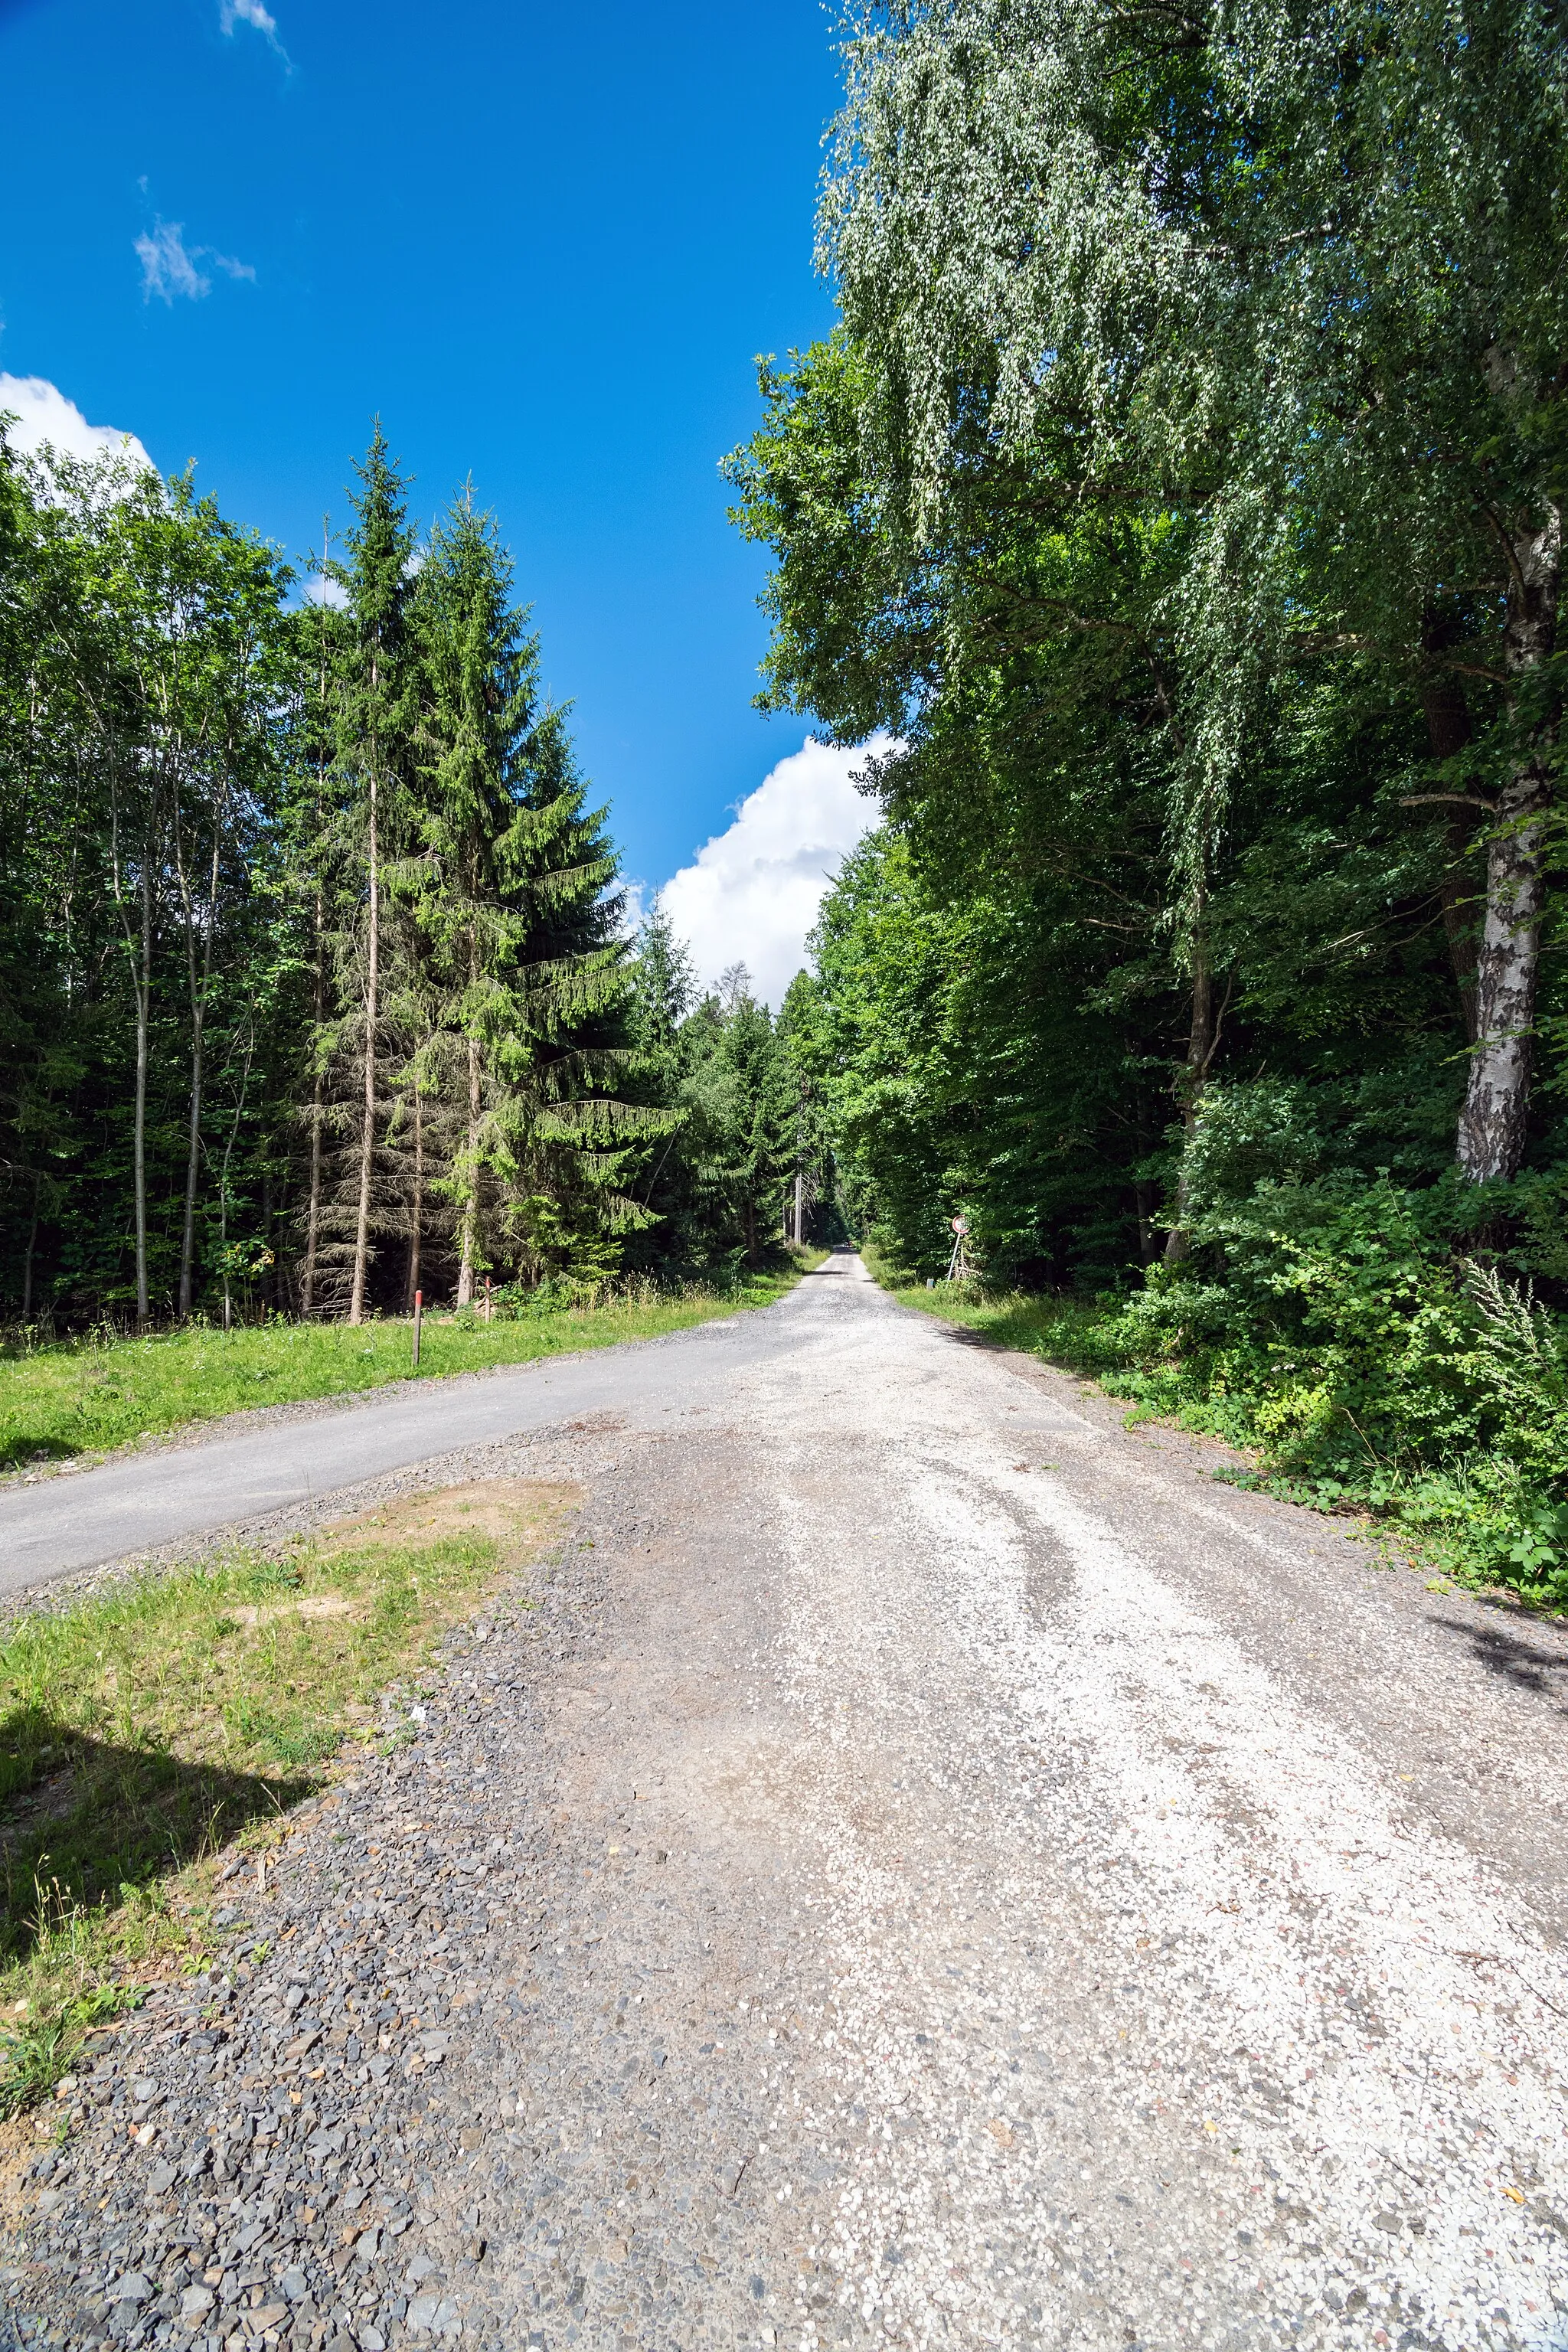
x: 1492, y: 1125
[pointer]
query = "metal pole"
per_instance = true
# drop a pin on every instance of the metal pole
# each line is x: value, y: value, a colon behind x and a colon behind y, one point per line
x: 418, y: 1315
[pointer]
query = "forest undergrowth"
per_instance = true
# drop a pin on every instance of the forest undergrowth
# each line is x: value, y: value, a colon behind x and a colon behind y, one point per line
x: 61, y: 1400
x: 1366, y: 1371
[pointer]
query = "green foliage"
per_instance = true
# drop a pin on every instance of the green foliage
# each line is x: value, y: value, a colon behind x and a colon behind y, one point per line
x: 312, y: 987
x: 37, y: 2052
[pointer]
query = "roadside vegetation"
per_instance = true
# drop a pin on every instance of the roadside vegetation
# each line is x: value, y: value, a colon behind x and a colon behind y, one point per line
x: 1430, y: 1399
x: 63, y: 1398
x: 162, y: 1731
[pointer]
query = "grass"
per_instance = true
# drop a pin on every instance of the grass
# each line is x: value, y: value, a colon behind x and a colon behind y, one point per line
x: 1035, y: 1325
x: 64, y: 1400
x: 145, y: 1730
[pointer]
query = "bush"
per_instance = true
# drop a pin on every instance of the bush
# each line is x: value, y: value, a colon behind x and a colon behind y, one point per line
x: 1333, y: 1324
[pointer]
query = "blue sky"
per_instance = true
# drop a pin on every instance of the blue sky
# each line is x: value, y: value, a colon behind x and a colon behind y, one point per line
x: 543, y: 241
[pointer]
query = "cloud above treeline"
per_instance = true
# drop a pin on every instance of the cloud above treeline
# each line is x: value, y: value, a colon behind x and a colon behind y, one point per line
x: 44, y: 414
x: 754, y: 891
x: 169, y: 269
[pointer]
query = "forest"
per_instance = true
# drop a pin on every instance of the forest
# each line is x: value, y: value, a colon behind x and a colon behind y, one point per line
x: 1182, y: 490
x: 316, y: 984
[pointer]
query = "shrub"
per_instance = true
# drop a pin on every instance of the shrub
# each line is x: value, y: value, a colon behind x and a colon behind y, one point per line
x: 1333, y: 1324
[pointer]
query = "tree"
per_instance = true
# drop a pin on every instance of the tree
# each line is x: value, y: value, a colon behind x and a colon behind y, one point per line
x: 376, y: 716
x: 509, y: 884
x: 741, y: 1105
x: 1292, y: 282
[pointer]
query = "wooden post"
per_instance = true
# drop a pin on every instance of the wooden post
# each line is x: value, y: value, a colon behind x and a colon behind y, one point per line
x: 418, y: 1315
x: 489, y: 1302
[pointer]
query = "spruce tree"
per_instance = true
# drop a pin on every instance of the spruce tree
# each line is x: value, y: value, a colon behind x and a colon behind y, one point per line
x: 375, y: 720
x: 509, y: 878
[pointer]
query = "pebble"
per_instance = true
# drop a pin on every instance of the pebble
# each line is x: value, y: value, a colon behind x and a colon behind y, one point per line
x: 739, y: 1951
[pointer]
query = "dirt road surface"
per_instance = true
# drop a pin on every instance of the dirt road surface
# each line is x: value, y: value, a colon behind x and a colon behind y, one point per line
x: 939, y: 1871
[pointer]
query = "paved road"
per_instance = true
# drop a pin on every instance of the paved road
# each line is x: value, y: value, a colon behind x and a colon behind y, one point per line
x: 978, y: 1883
x: 145, y: 1502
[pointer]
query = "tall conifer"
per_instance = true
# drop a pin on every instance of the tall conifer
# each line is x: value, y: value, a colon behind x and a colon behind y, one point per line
x: 376, y: 713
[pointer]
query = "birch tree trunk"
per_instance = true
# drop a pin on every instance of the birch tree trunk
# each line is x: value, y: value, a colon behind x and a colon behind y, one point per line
x: 1497, y: 1098
x: 367, y: 1140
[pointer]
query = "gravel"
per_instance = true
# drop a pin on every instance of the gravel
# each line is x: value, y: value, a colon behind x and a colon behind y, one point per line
x: 932, y: 1870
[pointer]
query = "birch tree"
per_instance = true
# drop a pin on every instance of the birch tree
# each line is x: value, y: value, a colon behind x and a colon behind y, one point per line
x: 1293, y: 277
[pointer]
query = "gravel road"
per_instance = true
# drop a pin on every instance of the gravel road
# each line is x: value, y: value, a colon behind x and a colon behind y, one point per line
x: 935, y: 1869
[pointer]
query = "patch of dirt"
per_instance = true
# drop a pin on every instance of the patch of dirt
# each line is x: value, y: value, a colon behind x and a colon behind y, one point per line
x: 517, y: 1513
x: 315, y: 1604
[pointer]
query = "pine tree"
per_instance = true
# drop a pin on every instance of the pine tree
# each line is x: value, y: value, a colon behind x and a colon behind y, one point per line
x: 742, y: 1104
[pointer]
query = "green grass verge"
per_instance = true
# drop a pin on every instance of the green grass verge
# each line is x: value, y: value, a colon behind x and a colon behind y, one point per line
x: 145, y: 1730
x: 87, y: 1397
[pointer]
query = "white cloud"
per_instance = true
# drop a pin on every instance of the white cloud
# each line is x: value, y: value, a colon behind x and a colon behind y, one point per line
x: 167, y: 269
x: 754, y: 892
x: 320, y: 588
x: 44, y: 414
x: 251, y: 12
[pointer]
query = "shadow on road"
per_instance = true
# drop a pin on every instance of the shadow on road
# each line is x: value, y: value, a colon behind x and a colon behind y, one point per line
x: 1532, y: 1663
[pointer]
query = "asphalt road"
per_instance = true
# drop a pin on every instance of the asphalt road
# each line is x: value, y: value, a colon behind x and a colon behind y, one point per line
x: 986, y: 1883
x: 277, y: 1462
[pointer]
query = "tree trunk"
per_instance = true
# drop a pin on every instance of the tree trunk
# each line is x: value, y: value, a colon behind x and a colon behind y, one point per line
x: 32, y: 1251
x: 1448, y: 730
x: 471, y: 1206
x: 799, y: 1208
x: 416, y: 1207
x: 314, y: 1210
x: 1497, y: 1100
x: 188, y: 1235
x: 318, y: 1098
x: 1203, y: 1038
x: 144, y: 1014
x: 367, y: 1141
x: 751, y: 1233
x: 199, y: 992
